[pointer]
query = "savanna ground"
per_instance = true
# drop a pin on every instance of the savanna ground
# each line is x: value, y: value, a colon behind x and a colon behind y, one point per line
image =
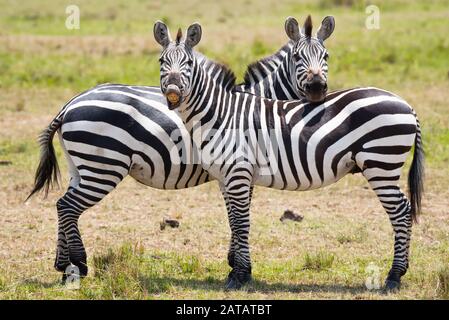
x: 327, y: 255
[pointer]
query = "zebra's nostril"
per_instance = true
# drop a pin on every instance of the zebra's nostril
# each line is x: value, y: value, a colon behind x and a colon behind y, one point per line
x: 315, y: 86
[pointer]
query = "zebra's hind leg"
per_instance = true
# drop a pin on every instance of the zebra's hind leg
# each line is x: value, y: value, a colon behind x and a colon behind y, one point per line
x: 69, y: 210
x: 401, y: 220
x: 62, y: 260
x: 88, y: 192
x: 398, y: 209
x: 62, y: 250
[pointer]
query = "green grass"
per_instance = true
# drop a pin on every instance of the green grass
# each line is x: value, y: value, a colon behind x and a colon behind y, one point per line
x: 130, y: 271
x: 443, y: 282
x: 319, y: 261
x: 412, y: 49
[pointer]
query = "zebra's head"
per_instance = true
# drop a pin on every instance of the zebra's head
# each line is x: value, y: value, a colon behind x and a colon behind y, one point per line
x: 308, y: 61
x: 177, y: 62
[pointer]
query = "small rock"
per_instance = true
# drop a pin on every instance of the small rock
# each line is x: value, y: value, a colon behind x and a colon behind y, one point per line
x: 290, y: 215
x: 169, y: 222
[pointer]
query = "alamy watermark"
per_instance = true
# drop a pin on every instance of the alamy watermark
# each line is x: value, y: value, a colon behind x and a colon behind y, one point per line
x: 372, y: 281
x: 372, y: 21
x: 259, y: 147
x: 72, y: 281
x: 72, y: 21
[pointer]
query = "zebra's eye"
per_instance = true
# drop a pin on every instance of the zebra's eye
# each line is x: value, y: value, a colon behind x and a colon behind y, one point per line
x: 326, y: 56
x: 296, y: 56
x: 161, y: 60
x: 189, y: 63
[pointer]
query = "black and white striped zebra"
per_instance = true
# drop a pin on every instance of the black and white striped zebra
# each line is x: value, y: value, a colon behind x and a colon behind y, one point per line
x: 298, y: 70
x: 245, y: 140
x: 93, y: 133
x: 107, y: 133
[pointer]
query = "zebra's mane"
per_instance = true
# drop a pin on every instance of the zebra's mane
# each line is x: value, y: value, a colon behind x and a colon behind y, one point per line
x: 262, y: 67
x: 224, y: 75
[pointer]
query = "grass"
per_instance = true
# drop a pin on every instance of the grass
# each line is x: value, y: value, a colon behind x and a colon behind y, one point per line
x: 319, y: 261
x: 344, y: 231
x: 443, y: 282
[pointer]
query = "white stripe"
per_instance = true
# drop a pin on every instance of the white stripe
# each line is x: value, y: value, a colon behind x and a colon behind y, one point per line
x: 398, y: 140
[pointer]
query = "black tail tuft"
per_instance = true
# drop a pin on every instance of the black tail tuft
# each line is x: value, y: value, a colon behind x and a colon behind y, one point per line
x: 416, y: 176
x: 47, y: 173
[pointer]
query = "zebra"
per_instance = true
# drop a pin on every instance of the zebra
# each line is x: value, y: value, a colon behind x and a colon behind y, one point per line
x: 101, y: 132
x: 287, y: 74
x: 305, y: 145
x: 107, y: 133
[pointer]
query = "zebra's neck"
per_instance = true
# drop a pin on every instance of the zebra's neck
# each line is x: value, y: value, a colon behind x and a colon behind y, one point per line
x: 278, y: 84
x: 211, y: 89
x: 270, y: 77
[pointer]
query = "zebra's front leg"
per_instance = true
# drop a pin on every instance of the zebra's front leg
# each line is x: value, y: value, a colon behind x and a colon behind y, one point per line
x: 231, y: 251
x: 233, y: 242
x: 237, y: 193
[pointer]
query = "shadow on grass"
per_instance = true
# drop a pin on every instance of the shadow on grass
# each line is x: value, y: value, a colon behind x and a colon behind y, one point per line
x: 35, y: 283
x: 159, y: 285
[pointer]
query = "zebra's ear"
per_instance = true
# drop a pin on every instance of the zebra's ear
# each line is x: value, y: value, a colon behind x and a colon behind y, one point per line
x: 326, y: 28
x: 292, y: 29
x: 161, y: 34
x: 193, y: 35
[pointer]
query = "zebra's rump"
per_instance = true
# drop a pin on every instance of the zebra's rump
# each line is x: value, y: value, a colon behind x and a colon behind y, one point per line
x: 129, y: 126
x: 321, y: 143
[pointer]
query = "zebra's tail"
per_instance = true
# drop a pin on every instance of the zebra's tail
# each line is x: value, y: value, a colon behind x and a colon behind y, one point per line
x: 416, y: 175
x: 47, y: 173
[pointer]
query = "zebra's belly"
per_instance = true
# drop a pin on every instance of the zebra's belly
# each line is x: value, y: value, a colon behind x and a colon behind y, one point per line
x: 178, y: 177
x: 142, y: 172
x: 291, y: 176
x: 294, y: 177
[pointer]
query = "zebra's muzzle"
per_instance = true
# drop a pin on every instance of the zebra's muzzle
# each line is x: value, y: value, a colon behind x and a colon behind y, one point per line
x: 316, y: 90
x: 173, y: 95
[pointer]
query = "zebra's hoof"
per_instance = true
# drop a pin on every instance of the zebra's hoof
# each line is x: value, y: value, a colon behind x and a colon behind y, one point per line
x: 78, y: 267
x: 83, y: 270
x: 233, y: 284
x: 393, y: 282
x: 392, y: 286
x: 73, y: 270
x: 236, y: 281
x: 64, y: 278
x: 61, y: 267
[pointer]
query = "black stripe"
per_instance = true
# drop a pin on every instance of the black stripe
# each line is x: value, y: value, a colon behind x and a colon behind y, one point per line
x: 100, y: 159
